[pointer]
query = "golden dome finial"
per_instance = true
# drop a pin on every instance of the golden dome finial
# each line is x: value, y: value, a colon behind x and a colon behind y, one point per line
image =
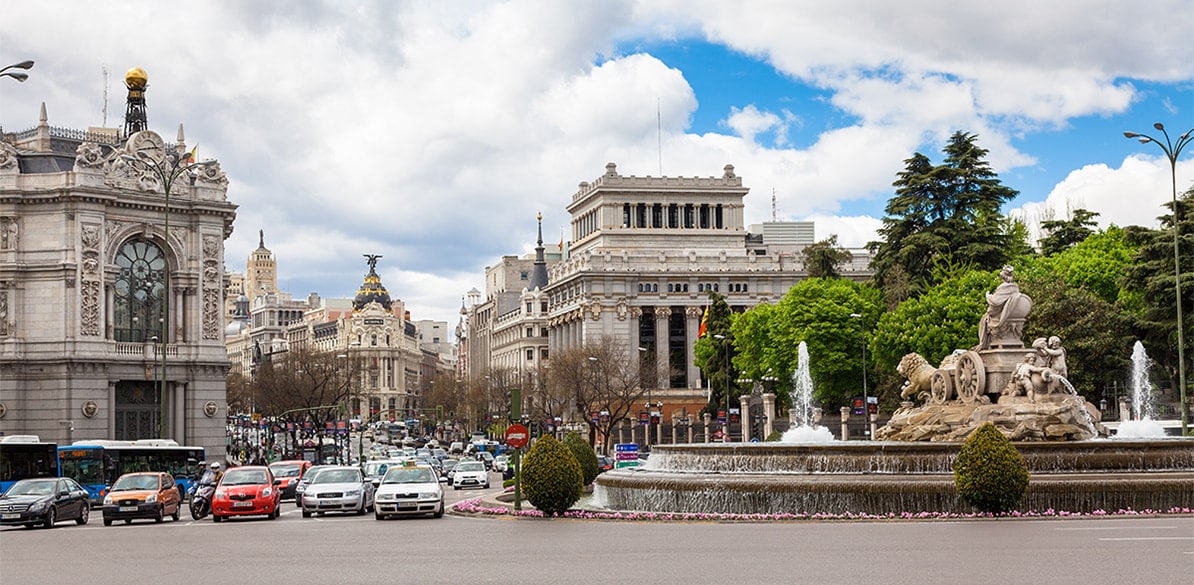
x: 136, y: 78
x: 539, y: 216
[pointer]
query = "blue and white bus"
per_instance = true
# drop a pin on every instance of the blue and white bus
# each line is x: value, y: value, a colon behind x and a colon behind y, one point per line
x: 26, y: 456
x: 96, y: 464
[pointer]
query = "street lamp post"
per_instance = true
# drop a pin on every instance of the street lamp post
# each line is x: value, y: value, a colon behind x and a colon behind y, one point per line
x: 866, y: 407
x: 1172, y: 151
x: 17, y: 75
x: 726, y: 350
x: 172, y: 166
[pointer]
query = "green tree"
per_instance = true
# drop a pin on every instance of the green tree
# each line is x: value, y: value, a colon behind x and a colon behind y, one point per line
x: 1061, y: 234
x: 936, y: 323
x: 551, y: 477
x: 817, y: 311
x: 1150, y: 281
x: 949, y: 211
x: 714, y: 354
x: 822, y: 259
x: 990, y: 473
x: 585, y: 456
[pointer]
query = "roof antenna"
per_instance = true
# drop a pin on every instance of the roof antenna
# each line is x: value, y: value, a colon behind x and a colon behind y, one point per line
x: 105, y: 70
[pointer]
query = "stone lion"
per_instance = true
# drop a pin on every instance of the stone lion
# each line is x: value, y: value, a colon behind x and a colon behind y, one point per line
x: 918, y: 372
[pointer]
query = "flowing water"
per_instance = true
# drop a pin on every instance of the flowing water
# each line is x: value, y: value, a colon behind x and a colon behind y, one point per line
x: 805, y: 430
x: 1142, y: 424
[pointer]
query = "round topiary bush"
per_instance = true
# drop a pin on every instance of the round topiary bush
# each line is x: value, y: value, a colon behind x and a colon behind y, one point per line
x: 585, y: 456
x: 989, y: 472
x: 551, y: 477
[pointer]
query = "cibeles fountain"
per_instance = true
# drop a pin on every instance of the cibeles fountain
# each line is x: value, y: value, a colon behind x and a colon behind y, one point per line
x: 1021, y: 389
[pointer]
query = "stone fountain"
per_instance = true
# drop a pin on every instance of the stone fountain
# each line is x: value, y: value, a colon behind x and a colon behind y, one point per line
x: 1022, y: 390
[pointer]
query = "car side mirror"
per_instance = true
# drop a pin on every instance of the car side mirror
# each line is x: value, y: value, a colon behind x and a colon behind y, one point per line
x: 277, y: 482
x: 63, y: 494
x: 443, y: 479
x: 376, y: 481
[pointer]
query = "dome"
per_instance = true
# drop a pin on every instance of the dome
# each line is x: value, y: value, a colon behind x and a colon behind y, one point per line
x: 371, y: 291
x: 136, y: 78
x: 235, y: 328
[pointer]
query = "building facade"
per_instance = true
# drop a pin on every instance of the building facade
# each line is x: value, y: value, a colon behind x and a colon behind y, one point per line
x: 111, y: 287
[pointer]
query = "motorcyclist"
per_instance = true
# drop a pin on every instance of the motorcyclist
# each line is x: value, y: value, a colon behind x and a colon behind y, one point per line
x: 212, y: 475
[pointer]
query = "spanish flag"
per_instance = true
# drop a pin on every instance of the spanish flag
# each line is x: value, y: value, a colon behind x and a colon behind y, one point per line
x: 704, y: 323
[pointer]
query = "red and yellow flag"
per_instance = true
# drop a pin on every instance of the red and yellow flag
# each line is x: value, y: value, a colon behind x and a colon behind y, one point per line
x: 704, y: 323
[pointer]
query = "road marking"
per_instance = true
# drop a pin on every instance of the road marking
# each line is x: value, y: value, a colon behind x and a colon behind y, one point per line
x: 1148, y: 538
x: 1123, y: 527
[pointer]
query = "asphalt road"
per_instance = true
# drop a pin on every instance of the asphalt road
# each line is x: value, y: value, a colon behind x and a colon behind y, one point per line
x: 459, y: 550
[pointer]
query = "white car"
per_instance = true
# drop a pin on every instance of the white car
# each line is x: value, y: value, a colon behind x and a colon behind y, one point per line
x: 470, y: 474
x: 411, y: 489
x: 338, y: 489
x: 500, y: 463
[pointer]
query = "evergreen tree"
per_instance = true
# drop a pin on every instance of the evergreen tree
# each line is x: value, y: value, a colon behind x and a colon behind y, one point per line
x: 947, y: 212
x: 1064, y: 234
x: 714, y: 354
x: 822, y: 259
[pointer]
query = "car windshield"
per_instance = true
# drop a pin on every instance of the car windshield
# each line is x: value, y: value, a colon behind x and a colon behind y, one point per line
x: 409, y: 475
x: 338, y: 476
x: 471, y: 466
x: 245, y: 477
x: 286, y: 469
x: 135, y: 482
x: 32, y: 488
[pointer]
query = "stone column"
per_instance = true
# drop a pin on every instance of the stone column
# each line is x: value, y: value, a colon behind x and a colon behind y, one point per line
x: 706, y: 417
x: 1125, y: 410
x: 622, y: 431
x: 874, y: 425
x: 111, y: 410
x: 692, y: 327
x: 675, y: 437
x: 659, y: 431
x: 845, y: 428
x: 690, y: 429
x: 769, y: 413
x: 179, y: 430
x: 743, y: 416
x: 662, y: 364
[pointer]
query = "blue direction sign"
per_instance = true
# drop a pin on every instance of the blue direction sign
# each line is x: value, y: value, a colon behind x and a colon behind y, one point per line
x: 627, y: 455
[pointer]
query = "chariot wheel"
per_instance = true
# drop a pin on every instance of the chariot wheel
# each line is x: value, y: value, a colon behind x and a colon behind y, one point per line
x: 941, y: 387
x: 972, y: 377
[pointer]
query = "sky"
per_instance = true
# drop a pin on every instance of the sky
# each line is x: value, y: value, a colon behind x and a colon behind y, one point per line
x: 432, y: 133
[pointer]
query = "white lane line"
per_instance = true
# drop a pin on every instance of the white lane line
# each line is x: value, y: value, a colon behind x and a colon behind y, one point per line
x: 1092, y: 528
x: 1126, y: 538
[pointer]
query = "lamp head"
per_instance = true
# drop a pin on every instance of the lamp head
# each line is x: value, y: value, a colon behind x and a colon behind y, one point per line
x: 16, y: 75
x: 1159, y: 126
x: 1130, y: 134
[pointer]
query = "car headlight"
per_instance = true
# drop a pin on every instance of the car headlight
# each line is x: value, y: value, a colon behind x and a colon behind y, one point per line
x: 151, y: 499
x: 107, y: 500
x: 39, y: 506
x: 267, y: 492
x: 352, y: 493
x: 428, y: 496
x: 219, y: 494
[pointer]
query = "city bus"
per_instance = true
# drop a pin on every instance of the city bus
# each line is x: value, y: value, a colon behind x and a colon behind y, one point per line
x: 25, y: 456
x: 96, y: 464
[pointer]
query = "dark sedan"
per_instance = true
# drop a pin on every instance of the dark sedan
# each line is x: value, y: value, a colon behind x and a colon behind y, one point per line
x: 44, y: 501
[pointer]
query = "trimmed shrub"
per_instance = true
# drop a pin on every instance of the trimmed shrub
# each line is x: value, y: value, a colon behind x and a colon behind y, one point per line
x: 989, y: 472
x: 585, y: 456
x: 551, y: 477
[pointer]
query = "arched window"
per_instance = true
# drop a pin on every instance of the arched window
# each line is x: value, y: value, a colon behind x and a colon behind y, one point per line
x: 140, y: 290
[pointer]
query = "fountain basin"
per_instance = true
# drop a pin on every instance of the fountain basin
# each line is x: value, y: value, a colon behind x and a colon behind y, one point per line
x: 895, y: 478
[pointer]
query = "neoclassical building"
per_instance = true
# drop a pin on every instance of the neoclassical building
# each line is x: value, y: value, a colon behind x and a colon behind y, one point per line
x: 94, y: 288
x: 646, y: 252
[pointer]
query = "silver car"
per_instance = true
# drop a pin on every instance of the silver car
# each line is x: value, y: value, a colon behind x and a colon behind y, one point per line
x: 413, y: 489
x: 338, y: 489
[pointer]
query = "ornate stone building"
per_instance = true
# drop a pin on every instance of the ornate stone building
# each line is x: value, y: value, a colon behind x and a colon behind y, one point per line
x: 91, y: 280
x: 645, y: 253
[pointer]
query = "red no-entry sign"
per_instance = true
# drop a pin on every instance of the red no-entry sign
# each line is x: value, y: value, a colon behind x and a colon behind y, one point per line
x: 517, y: 436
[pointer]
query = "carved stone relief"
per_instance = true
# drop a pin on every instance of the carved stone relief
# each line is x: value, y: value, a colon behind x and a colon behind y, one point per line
x: 8, y: 159
x: 89, y: 235
x: 89, y: 155
x: 212, y: 307
x: 5, y: 327
x: 9, y: 233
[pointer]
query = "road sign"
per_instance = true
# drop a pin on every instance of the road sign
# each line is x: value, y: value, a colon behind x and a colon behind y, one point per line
x: 517, y: 436
x: 626, y: 447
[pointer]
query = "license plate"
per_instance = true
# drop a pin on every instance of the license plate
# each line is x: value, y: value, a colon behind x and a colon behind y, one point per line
x: 242, y: 504
x: 9, y: 516
x: 408, y: 505
x: 126, y: 509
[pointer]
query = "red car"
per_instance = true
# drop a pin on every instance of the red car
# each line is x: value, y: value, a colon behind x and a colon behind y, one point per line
x: 247, y: 491
x: 289, y: 472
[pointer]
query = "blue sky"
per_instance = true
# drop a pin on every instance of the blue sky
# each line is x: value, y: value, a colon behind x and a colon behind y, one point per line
x: 432, y: 133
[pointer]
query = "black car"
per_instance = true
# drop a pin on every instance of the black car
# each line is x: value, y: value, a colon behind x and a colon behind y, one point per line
x: 44, y: 501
